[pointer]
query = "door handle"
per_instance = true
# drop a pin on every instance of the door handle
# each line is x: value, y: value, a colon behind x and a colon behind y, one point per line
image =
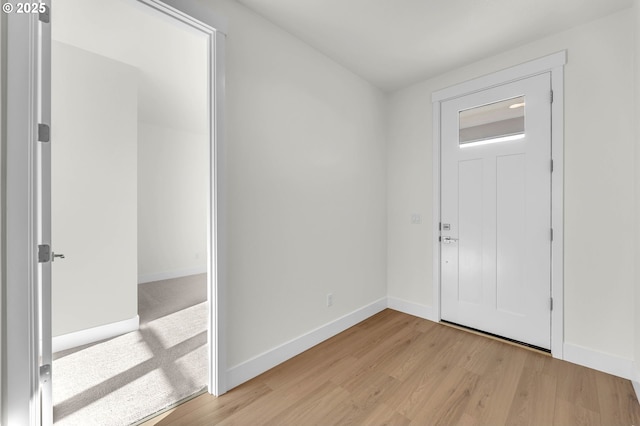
x: 53, y: 258
x: 449, y: 240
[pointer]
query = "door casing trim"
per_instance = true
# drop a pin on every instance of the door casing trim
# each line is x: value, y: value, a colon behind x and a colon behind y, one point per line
x: 553, y: 64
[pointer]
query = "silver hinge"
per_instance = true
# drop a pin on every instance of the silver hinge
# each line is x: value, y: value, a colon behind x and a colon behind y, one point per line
x: 440, y: 226
x: 551, y: 303
x: 44, y: 16
x: 551, y: 234
x: 551, y: 96
x: 44, y: 253
x: 551, y: 165
x: 45, y: 373
x: 44, y: 133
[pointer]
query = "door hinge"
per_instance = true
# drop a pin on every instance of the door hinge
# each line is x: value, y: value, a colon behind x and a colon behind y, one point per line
x: 44, y: 133
x: 551, y: 303
x: 44, y: 253
x: 440, y: 226
x: 45, y: 373
x: 45, y: 15
x: 551, y: 96
x: 551, y: 234
x: 552, y: 165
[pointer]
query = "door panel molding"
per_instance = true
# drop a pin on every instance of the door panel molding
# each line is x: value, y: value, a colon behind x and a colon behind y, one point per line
x: 553, y: 64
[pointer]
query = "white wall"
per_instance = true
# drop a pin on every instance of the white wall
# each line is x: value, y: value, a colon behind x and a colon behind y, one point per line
x: 94, y: 191
x: 173, y: 162
x: 599, y: 181
x: 306, y: 186
x: 172, y: 201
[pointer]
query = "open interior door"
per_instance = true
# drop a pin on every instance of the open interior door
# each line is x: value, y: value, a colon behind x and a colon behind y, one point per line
x: 43, y: 183
x: 26, y: 252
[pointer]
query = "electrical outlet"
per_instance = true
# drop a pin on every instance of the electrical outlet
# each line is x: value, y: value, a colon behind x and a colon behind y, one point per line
x: 416, y: 219
x: 329, y: 299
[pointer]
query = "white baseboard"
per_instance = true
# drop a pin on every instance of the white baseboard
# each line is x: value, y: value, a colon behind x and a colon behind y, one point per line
x: 636, y: 380
x: 247, y: 370
x: 94, y: 334
x: 636, y: 387
x: 411, y: 308
x: 168, y: 275
x: 267, y: 360
x: 600, y: 361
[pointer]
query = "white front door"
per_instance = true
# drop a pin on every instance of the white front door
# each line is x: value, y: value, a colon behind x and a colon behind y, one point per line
x: 496, y: 210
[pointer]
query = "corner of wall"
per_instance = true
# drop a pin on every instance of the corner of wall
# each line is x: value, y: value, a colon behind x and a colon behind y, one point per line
x: 636, y: 10
x: 412, y: 308
x: 3, y: 47
x: 601, y: 361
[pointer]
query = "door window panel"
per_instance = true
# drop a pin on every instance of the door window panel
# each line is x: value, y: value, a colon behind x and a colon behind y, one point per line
x: 496, y: 122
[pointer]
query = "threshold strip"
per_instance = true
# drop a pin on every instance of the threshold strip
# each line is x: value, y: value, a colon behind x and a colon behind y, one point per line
x: 498, y: 337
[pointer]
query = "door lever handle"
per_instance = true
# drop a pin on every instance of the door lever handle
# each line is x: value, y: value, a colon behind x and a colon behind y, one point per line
x: 53, y: 258
x: 449, y: 240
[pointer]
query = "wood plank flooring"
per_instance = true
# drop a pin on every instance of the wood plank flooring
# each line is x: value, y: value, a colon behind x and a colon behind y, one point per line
x: 396, y: 369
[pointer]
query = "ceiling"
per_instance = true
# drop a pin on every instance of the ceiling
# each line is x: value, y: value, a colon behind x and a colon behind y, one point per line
x: 394, y: 43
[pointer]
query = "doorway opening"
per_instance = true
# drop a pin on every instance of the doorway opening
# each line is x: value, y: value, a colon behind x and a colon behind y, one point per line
x: 133, y: 207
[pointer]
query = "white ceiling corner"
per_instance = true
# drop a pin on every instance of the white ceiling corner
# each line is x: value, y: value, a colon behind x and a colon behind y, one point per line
x: 394, y: 43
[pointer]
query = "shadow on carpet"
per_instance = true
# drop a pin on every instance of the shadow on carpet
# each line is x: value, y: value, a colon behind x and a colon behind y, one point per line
x: 127, y: 378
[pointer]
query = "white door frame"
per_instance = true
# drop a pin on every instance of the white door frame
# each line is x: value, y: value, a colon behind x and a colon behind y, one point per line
x: 18, y: 198
x: 554, y: 64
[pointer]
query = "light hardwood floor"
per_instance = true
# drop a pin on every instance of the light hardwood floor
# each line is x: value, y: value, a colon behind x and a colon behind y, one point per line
x: 396, y: 369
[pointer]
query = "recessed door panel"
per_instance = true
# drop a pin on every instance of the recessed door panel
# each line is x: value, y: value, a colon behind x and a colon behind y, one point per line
x: 511, y: 218
x: 470, y: 241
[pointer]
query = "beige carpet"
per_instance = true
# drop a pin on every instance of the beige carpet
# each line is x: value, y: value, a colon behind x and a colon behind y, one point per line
x: 123, y: 380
